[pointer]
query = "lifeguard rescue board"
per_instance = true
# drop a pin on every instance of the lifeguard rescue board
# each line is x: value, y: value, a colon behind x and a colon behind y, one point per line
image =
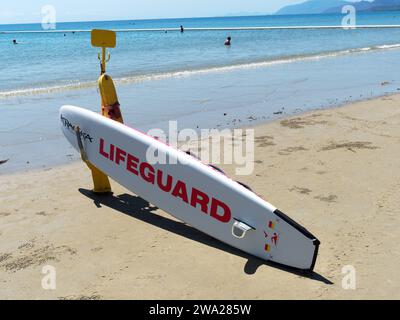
x: 190, y: 190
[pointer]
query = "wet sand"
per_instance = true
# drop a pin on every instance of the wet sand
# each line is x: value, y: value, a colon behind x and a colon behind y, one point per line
x: 334, y: 171
x: 31, y: 137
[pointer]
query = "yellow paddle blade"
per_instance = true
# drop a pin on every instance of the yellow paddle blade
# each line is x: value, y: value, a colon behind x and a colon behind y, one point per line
x: 104, y: 38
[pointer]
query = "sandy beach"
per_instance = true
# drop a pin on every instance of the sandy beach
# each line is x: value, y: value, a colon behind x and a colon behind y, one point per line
x: 335, y: 171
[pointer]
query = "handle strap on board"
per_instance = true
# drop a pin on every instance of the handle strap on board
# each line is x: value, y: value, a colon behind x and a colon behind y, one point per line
x: 240, y: 229
x: 80, y: 143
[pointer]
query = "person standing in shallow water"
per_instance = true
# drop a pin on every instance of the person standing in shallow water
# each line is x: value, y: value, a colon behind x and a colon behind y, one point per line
x: 228, y: 41
x: 182, y: 29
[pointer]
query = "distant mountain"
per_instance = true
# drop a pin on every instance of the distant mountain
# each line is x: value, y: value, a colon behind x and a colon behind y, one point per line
x: 335, y: 6
x: 311, y: 7
x: 366, y: 6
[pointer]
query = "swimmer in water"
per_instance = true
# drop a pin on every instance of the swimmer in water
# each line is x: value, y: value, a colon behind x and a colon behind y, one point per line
x: 182, y: 29
x: 15, y: 41
x: 228, y: 41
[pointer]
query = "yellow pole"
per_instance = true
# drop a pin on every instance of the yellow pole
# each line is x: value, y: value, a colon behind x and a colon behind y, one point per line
x: 109, y: 101
x: 103, y: 60
x: 101, y: 183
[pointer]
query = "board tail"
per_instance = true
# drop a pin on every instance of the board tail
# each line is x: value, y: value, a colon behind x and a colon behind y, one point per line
x: 303, y: 231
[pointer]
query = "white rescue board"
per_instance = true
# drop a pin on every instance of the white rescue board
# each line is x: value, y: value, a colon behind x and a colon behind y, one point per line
x: 190, y: 190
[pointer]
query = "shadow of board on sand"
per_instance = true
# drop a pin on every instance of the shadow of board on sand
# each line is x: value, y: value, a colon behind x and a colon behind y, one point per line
x: 140, y: 209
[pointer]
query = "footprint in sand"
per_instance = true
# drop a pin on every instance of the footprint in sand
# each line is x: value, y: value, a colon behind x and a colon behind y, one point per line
x: 4, y: 214
x: 265, y: 141
x: 299, y: 123
x: 29, y: 256
x: 82, y: 297
x: 288, y: 151
x: 28, y: 245
x: 300, y: 190
x: 389, y: 201
x: 351, y: 146
x: 5, y: 257
x: 330, y: 199
x: 42, y: 213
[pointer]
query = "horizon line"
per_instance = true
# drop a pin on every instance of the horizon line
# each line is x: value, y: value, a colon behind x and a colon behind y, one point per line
x: 184, y: 18
x: 384, y: 26
x: 174, y: 18
x: 146, y: 19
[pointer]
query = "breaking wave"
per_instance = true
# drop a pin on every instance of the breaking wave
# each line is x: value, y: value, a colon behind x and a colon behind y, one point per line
x: 187, y: 73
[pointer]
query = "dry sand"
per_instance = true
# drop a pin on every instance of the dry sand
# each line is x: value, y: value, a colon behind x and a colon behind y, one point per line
x: 335, y: 171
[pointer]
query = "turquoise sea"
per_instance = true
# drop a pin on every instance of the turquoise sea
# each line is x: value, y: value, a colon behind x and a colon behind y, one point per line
x: 190, y: 77
x: 45, y: 62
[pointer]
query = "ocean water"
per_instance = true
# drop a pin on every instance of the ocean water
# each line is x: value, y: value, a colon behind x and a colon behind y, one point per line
x: 191, y: 77
x: 56, y: 62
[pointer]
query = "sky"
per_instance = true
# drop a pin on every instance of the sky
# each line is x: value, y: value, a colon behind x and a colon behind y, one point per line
x: 29, y: 11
